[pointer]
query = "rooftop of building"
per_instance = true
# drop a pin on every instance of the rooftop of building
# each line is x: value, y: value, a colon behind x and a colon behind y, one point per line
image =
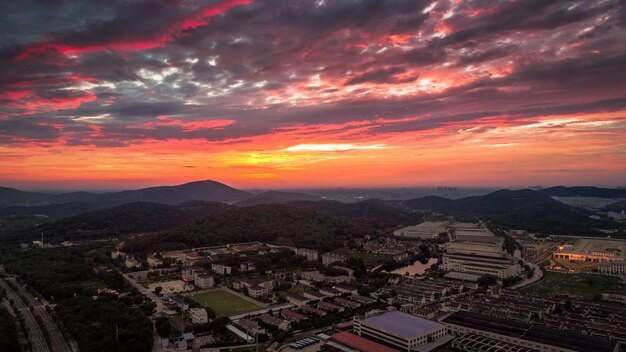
x: 360, y: 343
x: 530, y: 332
x: 588, y: 246
x: 403, y: 324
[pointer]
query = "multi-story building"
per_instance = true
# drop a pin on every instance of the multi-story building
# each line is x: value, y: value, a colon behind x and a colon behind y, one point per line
x: 310, y: 254
x: 403, y: 331
x: 256, y: 287
x: 154, y: 261
x: 480, y: 258
x: 204, y: 281
x: 425, y: 230
x: 131, y: 263
x: 198, y: 315
x: 329, y: 258
x: 616, y: 268
x: 221, y: 269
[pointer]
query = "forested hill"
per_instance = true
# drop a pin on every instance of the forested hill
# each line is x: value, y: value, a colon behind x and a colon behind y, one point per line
x: 279, y: 224
x: 137, y: 217
x: 523, y: 209
x: 276, y: 197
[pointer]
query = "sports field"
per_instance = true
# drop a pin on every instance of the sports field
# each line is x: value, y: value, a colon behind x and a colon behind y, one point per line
x: 583, y: 285
x: 224, y: 303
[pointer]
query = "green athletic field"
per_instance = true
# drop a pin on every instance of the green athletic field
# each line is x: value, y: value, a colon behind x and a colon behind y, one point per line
x: 224, y: 303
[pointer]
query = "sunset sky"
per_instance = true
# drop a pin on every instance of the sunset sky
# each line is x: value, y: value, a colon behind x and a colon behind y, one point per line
x: 294, y: 94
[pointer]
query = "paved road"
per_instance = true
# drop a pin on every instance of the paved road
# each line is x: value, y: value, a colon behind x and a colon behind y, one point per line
x: 145, y: 291
x: 35, y: 334
x: 56, y: 337
x: 537, y: 275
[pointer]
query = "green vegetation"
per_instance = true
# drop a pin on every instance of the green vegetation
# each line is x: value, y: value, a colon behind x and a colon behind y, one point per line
x: 280, y: 224
x: 66, y: 277
x: 125, y: 219
x: 584, y: 285
x: 224, y: 303
x: 8, y: 332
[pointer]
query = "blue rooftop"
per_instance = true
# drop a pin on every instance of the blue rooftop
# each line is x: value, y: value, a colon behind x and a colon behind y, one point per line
x: 403, y: 324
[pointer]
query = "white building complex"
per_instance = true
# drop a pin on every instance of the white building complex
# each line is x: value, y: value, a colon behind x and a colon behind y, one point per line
x: 403, y: 331
x: 426, y: 230
x: 479, y: 252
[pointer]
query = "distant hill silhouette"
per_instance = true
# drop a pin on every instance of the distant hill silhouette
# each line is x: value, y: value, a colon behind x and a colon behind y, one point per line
x: 130, y: 218
x: 561, y: 191
x: 276, y: 197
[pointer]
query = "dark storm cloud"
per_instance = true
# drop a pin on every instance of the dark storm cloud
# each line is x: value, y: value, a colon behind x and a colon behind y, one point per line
x: 136, y: 61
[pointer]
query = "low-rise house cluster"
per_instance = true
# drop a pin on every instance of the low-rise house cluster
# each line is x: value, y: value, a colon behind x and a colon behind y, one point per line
x: 422, y: 292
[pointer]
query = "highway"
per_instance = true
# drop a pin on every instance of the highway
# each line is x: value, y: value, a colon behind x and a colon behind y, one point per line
x: 56, y: 337
x: 35, y: 334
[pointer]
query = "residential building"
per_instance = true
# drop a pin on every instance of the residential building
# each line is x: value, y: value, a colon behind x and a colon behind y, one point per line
x: 311, y: 310
x: 118, y: 255
x: 191, y: 258
x: 251, y: 327
x: 403, y: 331
x: 273, y: 321
x: 310, y: 254
x: 247, y: 266
x: 327, y: 306
x: 293, y: 316
x: 198, y: 315
x: 154, y: 261
x: 329, y: 258
x: 204, y: 281
x: 314, y: 295
x: 345, y: 289
x: 131, y: 263
x: 296, y: 299
x: 330, y: 292
x: 221, y: 269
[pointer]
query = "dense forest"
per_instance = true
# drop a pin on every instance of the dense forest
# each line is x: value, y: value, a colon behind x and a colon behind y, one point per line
x: 67, y: 277
x: 125, y: 219
x: 280, y: 224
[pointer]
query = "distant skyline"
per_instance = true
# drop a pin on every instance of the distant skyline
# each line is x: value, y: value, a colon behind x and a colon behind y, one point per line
x: 312, y: 94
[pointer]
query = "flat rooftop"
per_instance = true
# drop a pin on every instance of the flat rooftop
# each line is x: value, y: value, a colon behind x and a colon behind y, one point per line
x: 588, y: 246
x: 360, y: 343
x: 530, y: 332
x: 403, y: 324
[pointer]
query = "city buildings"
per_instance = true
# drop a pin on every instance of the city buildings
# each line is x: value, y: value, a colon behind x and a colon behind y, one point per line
x: 425, y: 230
x: 401, y: 330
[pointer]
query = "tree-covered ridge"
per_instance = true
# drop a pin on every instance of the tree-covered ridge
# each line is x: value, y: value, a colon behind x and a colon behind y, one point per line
x: 280, y: 224
x: 125, y: 219
x: 9, y: 341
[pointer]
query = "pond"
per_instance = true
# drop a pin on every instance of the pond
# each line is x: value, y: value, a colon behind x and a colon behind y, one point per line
x: 416, y: 268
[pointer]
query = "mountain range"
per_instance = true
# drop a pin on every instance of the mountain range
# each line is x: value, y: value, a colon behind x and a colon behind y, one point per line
x: 84, y: 215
